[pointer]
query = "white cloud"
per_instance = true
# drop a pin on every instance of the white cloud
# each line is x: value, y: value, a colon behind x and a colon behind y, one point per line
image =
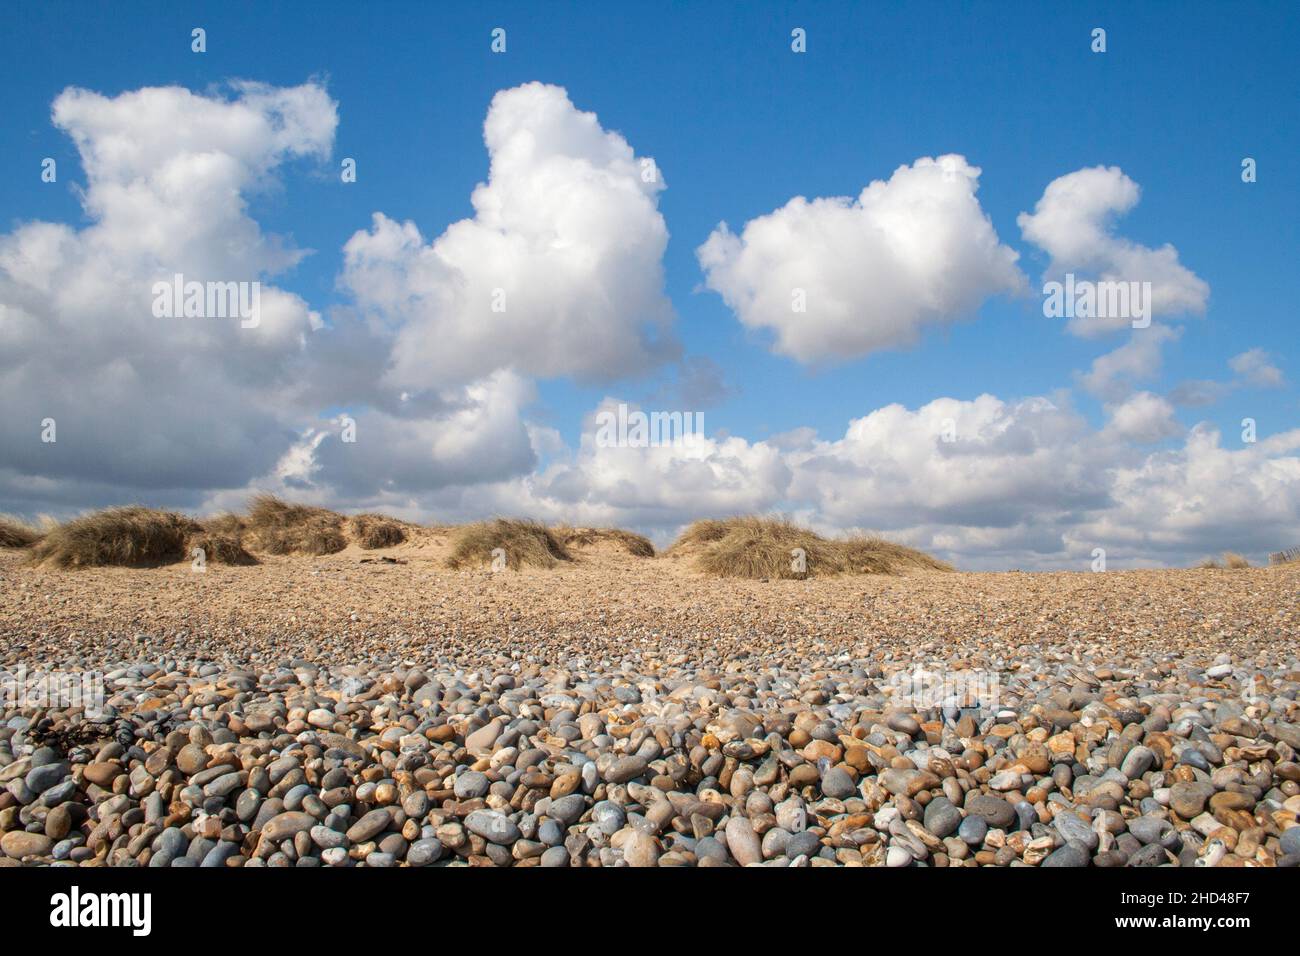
x: 1142, y: 418
x: 1006, y: 464
x: 1255, y: 367
x: 1072, y: 223
x: 142, y: 403
x: 173, y: 409
x: 913, y: 251
x: 566, y: 238
x: 1112, y: 375
x: 1202, y: 499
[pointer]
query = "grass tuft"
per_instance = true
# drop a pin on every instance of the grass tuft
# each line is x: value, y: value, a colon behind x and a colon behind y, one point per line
x: 1231, y: 561
x: 219, y: 548
x: 132, y: 535
x: 277, y: 527
x: 525, y: 542
x: 761, y: 548
x: 872, y: 555
x: 372, y: 531
x: 17, y: 534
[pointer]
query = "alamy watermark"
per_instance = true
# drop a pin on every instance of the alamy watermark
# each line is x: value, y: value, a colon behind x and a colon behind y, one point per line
x: 177, y: 298
x: 638, y: 429
x: 58, y: 689
x: 1109, y: 299
x: 928, y: 690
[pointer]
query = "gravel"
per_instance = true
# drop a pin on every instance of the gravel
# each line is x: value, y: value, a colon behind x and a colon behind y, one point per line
x: 627, y: 712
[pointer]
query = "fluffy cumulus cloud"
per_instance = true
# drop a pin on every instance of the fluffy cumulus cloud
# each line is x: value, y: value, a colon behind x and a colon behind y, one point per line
x: 838, y: 278
x: 141, y: 401
x: 433, y: 383
x: 1073, y: 223
x: 1201, y: 499
x: 559, y: 272
x: 658, y: 487
x: 1143, y: 418
x: 1031, y: 483
x: 985, y: 483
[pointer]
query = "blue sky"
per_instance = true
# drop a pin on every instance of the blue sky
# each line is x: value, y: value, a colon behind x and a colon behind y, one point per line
x: 739, y: 125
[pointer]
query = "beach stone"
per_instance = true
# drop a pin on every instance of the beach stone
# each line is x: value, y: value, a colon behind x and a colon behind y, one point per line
x: 493, y: 826
x: 1149, y: 829
x: 423, y: 852
x: 1069, y: 855
x: 1137, y: 762
x: 190, y: 759
x: 1075, y: 830
x: 1150, y: 855
x: 42, y: 778
x: 942, y: 818
x: 1290, y: 841
x: 625, y: 769
x: 471, y: 784
x: 482, y: 740
x: 17, y: 844
x: 972, y: 830
x: 641, y: 850
x: 803, y: 843
x: 567, y: 810
x: 994, y: 811
x: 285, y: 826
x: 608, y: 816
x: 370, y: 825
x: 58, y: 822
x: 743, y: 842
x: 556, y: 856
x: 1188, y: 799
x: 838, y: 784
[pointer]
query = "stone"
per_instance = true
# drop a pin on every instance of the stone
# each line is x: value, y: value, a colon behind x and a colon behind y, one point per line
x: 42, y: 778
x: 471, y: 784
x: 972, y: 830
x: 286, y: 825
x: 838, y: 784
x: 371, y: 825
x: 1069, y: 855
x: 17, y: 844
x: 423, y: 852
x: 625, y: 769
x: 743, y: 842
x: 641, y: 850
x: 1290, y: 841
x: 1075, y: 830
x: 994, y: 811
x: 942, y: 818
x: 1188, y: 799
x: 493, y: 826
x: 482, y: 740
x: 1137, y: 762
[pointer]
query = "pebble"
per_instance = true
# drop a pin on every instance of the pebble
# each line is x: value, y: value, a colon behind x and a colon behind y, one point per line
x: 743, y: 842
x: 993, y: 810
x: 942, y: 818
